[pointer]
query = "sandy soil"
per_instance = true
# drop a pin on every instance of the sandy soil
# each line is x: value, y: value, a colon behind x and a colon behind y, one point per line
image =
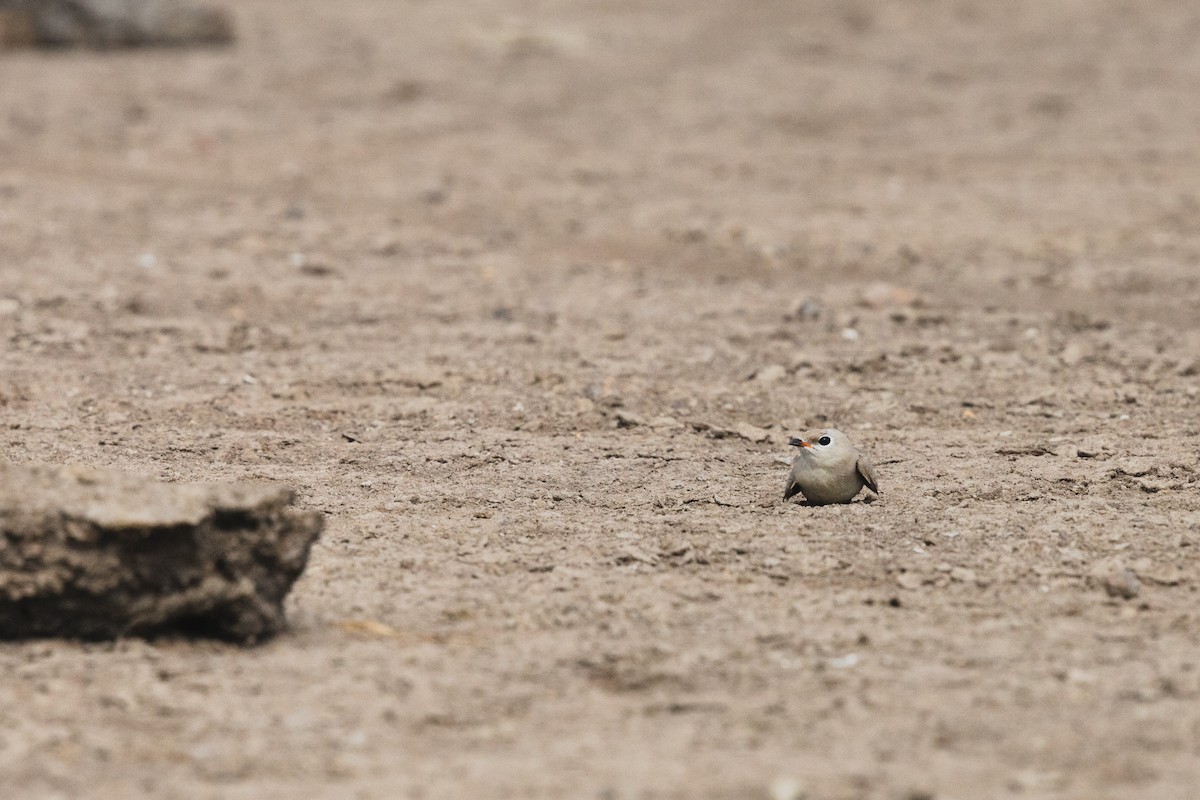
x: 527, y: 296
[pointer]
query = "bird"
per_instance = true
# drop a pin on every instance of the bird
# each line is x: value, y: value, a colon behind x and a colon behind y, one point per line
x: 828, y: 469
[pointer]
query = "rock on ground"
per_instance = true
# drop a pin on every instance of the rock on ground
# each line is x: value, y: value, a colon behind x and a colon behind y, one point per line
x: 100, y: 554
x: 110, y: 23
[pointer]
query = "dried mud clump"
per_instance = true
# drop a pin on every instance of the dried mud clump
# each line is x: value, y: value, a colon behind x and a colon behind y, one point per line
x: 106, y: 24
x: 99, y: 554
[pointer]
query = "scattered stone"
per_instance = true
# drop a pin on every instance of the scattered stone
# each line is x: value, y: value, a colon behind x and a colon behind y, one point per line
x: 1079, y: 677
x: 772, y: 373
x: 885, y: 295
x: 627, y: 420
x: 1153, y: 485
x: 787, y: 788
x: 1167, y: 576
x: 93, y: 554
x: 1066, y: 450
x: 1072, y: 354
x: 107, y: 24
x: 910, y: 580
x: 631, y: 552
x: 808, y: 310
x: 1121, y: 582
x: 422, y: 379
x: 751, y: 432
x: 963, y: 575
x: 1073, y: 555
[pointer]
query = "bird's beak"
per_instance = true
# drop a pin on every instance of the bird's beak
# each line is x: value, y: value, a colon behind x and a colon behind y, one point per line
x: 795, y: 442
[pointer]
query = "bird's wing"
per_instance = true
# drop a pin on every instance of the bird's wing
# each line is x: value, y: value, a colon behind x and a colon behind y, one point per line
x: 791, y: 488
x: 867, y: 471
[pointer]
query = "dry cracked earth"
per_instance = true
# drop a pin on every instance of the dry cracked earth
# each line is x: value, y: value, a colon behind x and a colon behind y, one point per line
x: 527, y: 298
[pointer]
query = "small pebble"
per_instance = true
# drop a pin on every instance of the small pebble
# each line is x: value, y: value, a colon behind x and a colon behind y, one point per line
x: 770, y: 373
x: 809, y: 309
x: 787, y: 788
x: 962, y: 575
x: 627, y: 420
x: 1122, y: 583
x: 751, y: 433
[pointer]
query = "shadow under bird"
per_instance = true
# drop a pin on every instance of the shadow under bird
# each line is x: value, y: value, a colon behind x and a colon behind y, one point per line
x: 828, y: 469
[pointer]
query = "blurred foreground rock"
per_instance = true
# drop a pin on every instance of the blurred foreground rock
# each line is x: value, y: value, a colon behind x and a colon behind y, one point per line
x: 99, y: 554
x: 111, y: 23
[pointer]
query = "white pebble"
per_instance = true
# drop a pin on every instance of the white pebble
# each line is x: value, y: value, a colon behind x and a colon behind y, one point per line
x: 787, y: 788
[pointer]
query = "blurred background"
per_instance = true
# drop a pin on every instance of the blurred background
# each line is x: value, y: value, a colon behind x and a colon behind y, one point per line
x: 1027, y: 153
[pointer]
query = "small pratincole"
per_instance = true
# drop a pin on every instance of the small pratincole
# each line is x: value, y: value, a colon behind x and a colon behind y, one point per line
x: 828, y: 469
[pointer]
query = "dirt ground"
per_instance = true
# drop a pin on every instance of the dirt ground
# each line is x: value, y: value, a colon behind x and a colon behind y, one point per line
x: 528, y: 296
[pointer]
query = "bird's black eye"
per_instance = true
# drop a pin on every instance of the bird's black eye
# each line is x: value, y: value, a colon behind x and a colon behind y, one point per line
x: 824, y: 440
